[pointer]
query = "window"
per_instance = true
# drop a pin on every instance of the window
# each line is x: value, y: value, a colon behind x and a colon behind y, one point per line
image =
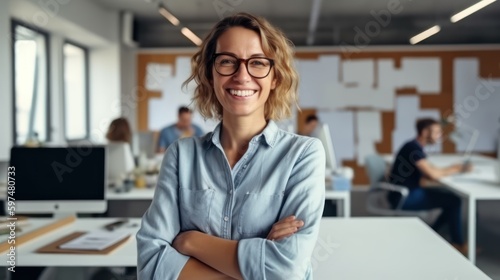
x: 76, y: 122
x: 31, y: 99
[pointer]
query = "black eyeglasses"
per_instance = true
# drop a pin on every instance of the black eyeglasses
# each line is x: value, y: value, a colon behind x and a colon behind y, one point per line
x: 228, y: 64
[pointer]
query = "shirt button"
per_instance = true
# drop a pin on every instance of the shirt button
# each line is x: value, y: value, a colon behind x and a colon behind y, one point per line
x: 244, y: 166
x: 226, y: 218
x: 230, y: 191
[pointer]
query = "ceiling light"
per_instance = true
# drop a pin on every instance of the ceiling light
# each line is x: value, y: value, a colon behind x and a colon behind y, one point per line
x: 166, y: 14
x: 472, y: 9
x: 424, y: 35
x: 191, y: 36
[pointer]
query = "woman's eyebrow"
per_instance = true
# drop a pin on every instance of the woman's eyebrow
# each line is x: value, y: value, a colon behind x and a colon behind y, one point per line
x: 258, y: 55
x: 253, y: 55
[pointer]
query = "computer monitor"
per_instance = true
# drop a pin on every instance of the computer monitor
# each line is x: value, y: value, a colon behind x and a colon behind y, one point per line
x: 322, y: 132
x: 120, y: 162
x: 144, y: 143
x: 59, y: 180
x: 470, y: 146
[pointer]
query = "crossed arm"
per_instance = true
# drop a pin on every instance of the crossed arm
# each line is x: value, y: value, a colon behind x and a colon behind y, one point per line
x: 216, y: 258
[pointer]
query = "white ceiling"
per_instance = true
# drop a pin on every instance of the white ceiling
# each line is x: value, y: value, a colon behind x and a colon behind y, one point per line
x: 336, y: 22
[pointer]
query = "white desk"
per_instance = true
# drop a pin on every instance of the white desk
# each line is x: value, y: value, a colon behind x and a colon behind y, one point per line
x: 357, y: 249
x: 387, y: 248
x: 133, y: 194
x: 125, y: 255
x: 481, y: 184
x: 343, y: 197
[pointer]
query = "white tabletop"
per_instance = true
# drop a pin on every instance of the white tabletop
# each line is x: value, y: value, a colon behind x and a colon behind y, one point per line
x: 386, y: 248
x: 133, y: 194
x: 356, y: 248
x: 125, y: 255
x: 329, y: 194
x: 480, y: 183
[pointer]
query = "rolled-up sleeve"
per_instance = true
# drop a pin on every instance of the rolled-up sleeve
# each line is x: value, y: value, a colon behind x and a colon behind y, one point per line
x: 304, y: 197
x: 156, y: 259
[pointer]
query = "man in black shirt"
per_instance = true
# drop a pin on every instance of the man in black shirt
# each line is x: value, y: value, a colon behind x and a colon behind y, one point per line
x: 411, y: 166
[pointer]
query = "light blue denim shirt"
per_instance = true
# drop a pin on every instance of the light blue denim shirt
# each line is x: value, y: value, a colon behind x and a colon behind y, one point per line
x: 281, y: 174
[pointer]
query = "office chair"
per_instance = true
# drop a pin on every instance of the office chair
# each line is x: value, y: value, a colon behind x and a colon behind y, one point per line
x: 377, y: 202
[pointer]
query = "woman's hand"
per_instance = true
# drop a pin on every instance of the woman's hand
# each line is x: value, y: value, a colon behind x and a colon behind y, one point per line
x: 183, y: 241
x: 285, y: 228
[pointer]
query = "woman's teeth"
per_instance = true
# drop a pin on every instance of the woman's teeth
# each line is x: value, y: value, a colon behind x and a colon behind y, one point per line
x: 241, y: 92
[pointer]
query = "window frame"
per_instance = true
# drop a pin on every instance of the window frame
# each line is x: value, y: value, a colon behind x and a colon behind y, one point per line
x: 87, y: 91
x: 13, y: 24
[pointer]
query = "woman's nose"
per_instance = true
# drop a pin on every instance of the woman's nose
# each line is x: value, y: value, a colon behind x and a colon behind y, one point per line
x: 242, y: 74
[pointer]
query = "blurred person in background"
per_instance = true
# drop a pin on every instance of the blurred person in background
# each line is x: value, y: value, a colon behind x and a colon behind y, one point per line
x: 183, y: 128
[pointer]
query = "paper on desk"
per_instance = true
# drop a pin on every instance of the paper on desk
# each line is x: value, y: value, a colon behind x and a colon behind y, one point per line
x: 95, y: 240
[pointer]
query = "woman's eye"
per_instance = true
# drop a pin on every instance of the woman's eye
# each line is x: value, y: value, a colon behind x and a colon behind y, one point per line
x: 227, y: 62
x: 258, y: 63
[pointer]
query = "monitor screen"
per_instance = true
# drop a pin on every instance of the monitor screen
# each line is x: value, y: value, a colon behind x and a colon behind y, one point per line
x: 144, y: 143
x: 59, y: 174
x: 323, y: 133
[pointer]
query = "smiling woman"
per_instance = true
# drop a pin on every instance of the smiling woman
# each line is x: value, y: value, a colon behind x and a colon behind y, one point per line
x: 245, y: 201
x: 271, y: 45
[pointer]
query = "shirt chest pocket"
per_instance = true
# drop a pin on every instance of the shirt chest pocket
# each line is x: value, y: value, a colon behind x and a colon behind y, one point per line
x: 258, y: 213
x: 195, y: 206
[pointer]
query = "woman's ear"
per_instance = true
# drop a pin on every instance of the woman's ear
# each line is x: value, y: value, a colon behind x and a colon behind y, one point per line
x: 274, y: 83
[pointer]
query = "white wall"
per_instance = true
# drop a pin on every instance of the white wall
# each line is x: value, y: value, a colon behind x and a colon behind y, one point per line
x: 80, y: 21
x: 105, y: 102
x: 56, y: 89
x: 129, y: 85
x: 5, y: 82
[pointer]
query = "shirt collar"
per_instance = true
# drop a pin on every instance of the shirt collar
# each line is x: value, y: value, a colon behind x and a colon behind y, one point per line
x: 269, y: 134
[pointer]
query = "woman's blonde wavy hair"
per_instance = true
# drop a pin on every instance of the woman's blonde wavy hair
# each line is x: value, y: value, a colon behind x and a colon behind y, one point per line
x: 275, y: 45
